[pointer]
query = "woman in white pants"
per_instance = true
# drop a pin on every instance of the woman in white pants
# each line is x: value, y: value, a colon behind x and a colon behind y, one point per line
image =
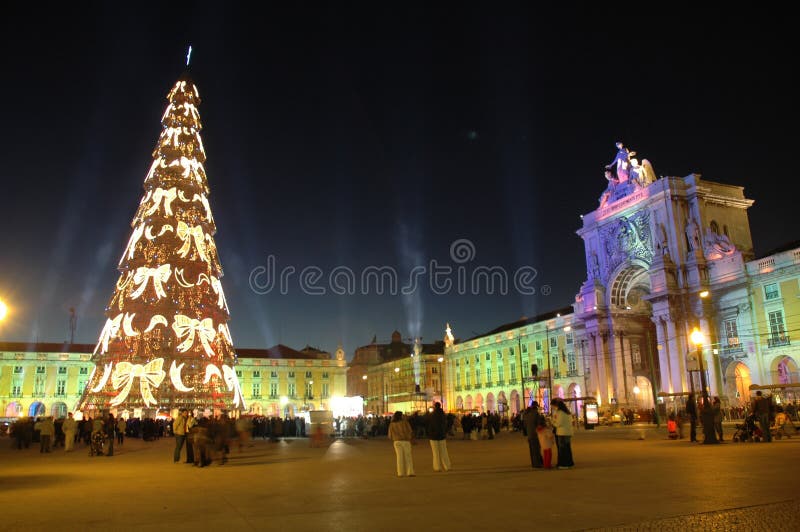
x: 400, y: 433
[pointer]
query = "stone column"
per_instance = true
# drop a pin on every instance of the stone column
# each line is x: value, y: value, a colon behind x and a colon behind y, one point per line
x: 677, y: 343
x: 664, y: 362
x: 714, y: 379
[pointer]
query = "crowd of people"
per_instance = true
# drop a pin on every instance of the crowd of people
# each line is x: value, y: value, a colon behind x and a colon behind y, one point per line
x: 204, y: 440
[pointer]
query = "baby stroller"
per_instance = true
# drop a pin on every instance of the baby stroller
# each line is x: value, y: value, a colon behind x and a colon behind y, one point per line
x: 96, y: 443
x: 748, y: 431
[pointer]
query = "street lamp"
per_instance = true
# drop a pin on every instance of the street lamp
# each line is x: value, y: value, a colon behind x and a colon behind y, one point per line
x: 3, y: 310
x: 698, y: 339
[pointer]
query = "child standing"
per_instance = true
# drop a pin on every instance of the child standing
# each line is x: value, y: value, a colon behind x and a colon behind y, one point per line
x: 546, y: 442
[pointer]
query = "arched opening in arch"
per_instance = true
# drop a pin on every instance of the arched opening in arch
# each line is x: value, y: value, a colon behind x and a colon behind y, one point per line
x: 784, y: 371
x: 629, y: 288
x: 479, y: 402
x: 643, y: 393
x: 459, y: 403
x: 490, y: 402
x: 36, y: 409
x: 256, y: 409
x: 514, y: 402
x: 468, y: 402
x: 738, y: 384
x: 502, y: 403
x: 558, y: 391
x: 58, y: 410
x: 14, y: 409
x: 574, y: 391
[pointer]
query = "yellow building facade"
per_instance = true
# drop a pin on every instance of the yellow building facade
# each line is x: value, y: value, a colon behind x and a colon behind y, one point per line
x: 284, y: 382
x: 48, y: 379
x: 39, y: 379
x: 495, y: 372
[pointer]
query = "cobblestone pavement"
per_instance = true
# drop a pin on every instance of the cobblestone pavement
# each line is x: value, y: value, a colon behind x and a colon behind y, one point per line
x: 775, y: 517
x: 620, y: 480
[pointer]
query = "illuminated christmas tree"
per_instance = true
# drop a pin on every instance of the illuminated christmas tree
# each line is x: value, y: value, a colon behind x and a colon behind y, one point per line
x: 166, y: 342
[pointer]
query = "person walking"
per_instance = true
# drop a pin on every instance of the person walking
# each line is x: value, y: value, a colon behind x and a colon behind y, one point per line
x: 401, y: 436
x: 562, y: 421
x: 531, y: 420
x: 179, y: 430
x: 70, y: 427
x: 437, y: 432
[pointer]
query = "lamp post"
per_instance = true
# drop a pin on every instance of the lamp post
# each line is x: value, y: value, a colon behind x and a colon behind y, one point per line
x: 698, y: 339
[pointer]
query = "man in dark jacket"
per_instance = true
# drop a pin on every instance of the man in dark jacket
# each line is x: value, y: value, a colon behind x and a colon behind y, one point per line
x: 761, y: 408
x: 437, y: 432
x: 691, y: 411
x: 531, y: 420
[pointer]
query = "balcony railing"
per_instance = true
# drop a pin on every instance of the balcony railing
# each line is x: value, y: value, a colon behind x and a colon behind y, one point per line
x: 501, y: 383
x: 732, y: 350
x: 573, y: 373
x: 488, y: 384
x: 256, y: 396
x: 778, y: 340
x: 273, y: 396
x: 458, y: 388
x: 512, y: 381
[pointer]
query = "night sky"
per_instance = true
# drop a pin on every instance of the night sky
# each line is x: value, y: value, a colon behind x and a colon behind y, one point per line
x: 345, y: 137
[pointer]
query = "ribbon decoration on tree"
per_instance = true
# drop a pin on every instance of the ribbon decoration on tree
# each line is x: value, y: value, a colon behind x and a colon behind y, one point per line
x: 168, y: 196
x: 232, y: 382
x: 187, y: 234
x: 189, y: 327
x: 159, y: 275
x: 216, y: 285
x: 110, y: 330
x: 228, y: 375
x: 135, y: 237
x: 149, y: 375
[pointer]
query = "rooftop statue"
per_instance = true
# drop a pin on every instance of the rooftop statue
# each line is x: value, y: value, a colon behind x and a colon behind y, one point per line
x: 626, y: 175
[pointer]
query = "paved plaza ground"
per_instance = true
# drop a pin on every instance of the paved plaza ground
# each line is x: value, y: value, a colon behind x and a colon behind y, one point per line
x: 620, y: 482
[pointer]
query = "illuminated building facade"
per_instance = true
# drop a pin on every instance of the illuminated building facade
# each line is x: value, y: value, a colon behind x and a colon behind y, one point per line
x: 281, y: 381
x: 42, y: 379
x: 398, y: 375
x: 48, y: 379
x: 494, y: 372
x: 664, y: 256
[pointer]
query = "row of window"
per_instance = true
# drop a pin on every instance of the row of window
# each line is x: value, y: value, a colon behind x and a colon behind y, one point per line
x: 511, y: 351
x: 569, y: 358
x: 291, y: 390
x: 39, y: 387
x: 777, y: 329
x: 42, y: 370
x: 274, y: 374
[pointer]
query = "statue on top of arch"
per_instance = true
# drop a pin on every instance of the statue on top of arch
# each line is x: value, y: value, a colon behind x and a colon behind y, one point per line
x: 626, y: 175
